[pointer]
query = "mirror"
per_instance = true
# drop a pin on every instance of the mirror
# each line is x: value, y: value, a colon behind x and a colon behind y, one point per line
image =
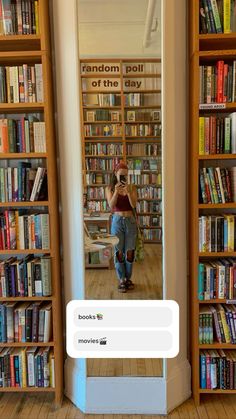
x: 120, y: 73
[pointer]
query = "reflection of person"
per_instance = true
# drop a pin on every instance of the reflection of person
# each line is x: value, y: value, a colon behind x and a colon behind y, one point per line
x: 122, y: 199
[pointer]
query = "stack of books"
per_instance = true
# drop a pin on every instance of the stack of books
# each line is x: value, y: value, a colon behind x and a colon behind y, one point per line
x: 217, y: 233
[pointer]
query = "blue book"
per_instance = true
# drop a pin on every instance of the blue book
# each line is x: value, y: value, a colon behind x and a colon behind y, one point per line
x: 201, y: 277
x: 16, y: 368
x: 202, y: 371
x: 225, y: 234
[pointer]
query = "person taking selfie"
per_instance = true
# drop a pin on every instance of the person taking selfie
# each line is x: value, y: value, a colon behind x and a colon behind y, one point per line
x: 122, y: 199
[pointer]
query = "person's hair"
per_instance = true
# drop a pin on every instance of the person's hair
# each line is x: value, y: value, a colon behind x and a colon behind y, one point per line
x: 113, y: 181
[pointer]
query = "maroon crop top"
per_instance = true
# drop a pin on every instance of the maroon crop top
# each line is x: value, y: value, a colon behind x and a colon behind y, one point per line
x: 122, y: 204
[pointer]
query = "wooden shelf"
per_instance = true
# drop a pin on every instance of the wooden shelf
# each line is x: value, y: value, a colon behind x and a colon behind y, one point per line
x: 24, y: 204
x: 143, y: 136
x: 216, y: 206
x: 216, y: 391
x: 126, y: 92
x: 143, y: 122
x: 24, y: 344
x: 102, y: 157
x: 20, y: 42
x: 109, y: 140
x: 91, y: 107
x: 217, y: 157
x: 216, y: 254
x: 217, y: 346
x: 216, y: 301
x: 21, y: 107
x: 27, y: 389
x: 143, y: 107
x: 21, y: 299
x: 107, y: 137
x: 24, y: 251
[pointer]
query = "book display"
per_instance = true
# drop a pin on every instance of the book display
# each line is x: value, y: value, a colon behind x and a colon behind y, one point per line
x: 121, y: 111
x: 212, y: 200
x: 31, y: 350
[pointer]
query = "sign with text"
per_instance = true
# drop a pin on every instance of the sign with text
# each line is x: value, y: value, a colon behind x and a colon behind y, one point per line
x: 122, y: 329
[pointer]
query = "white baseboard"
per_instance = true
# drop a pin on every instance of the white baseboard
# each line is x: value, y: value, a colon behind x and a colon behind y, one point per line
x: 75, y: 382
x: 178, y: 385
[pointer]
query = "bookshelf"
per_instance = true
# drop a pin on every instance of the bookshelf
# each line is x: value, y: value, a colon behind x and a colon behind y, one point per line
x: 206, y: 50
x: 26, y: 150
x: 121, y: 119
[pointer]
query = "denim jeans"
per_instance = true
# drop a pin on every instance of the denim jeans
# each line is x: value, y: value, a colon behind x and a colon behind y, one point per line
x: 125, y: 228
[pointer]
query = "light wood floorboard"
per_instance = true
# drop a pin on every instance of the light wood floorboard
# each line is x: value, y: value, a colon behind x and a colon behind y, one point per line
x: 40, y: 406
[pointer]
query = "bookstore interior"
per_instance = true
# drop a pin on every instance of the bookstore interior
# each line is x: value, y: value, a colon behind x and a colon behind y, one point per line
x: 121, y: 148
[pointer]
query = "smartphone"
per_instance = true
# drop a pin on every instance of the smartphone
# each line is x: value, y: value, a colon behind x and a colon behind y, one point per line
x: 123, y: 179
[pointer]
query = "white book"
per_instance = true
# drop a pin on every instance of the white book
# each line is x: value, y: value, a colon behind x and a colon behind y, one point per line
x: 221, y: 281
x: 9, y: 183
x: 36, y: 137
x: 221, y: 185
x: 16, y: 85
x: 36, y: 182
x: 42, y: 137
x: 21, y: 232
x: 47, y: 322
x: 233, y: 132
x: 31, y: 366
x: 44, y: 222
x: 39, y: 82
x: 27, y: 138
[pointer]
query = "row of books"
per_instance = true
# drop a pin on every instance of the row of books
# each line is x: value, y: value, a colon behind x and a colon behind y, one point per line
x: 96, y: 193
x: 26, y: 277
x: 101, y: 99
x: 149, y: 192
x: 99, y: 149
x: 23, y: 183
x: 25, y: 322
x: 144, y: 149
x: 217, y: 185
x: 217, y: 135
x: 103, y: 130
x: 23, y: 135
x: 101, y: 164
x: 142, y: 115
x: 217, y: 233
x: 144, y: 164
x: 27, y: 367
x: 147, y: 206
x: 217, y: 322
x: 24, y: 231
x: 150, y: 220
x: 101, y: 115
x: 217, y: 82
x: 21, y: 84
x: 98, y: 178
x: 217, y: 16
x: 152, y: 234
x: 98, y: 206
x: 134, y: 99
x: 217, y: 369
x: 19, y: 17
x: 144, y: 179
x: 142, y: 130
x: 217, y: 279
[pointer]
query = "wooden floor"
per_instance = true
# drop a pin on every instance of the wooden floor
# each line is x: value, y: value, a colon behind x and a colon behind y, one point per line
x: 35, y: 406
x: 102, y: 284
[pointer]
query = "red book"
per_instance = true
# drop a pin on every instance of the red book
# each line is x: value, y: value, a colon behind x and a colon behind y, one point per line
x: 220, y: 81
x: 225, y: 83
x: 13, y: 383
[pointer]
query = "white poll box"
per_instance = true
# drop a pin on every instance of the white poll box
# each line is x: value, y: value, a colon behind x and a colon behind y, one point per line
x: 122, y: 329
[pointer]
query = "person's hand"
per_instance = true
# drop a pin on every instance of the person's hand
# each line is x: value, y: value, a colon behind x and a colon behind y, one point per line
x: 118, y: 187
x: 125, y: 189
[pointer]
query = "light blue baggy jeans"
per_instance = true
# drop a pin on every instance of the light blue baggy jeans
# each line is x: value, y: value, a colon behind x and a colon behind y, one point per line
x: 125, y: 228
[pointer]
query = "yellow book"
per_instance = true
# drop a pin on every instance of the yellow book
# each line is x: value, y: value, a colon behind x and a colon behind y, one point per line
x: 36, y: 16
x: 201, y: 135
x: 227, y: 16
x: 51, y: 369
x: 230, y: 222
x: 24, y: 371
x: 224, y: 323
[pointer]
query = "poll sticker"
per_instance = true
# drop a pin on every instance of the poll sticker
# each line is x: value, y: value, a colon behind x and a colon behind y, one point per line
x: 122, y: 329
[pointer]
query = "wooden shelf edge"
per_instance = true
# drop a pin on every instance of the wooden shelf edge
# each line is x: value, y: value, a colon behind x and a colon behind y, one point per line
x: 27, y: 389
x: 25, y: 344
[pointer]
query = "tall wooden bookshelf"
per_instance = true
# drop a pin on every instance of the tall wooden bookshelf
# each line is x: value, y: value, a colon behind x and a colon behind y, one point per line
x: 123, y: 96
x: 16, y: 50
x: 204, y: 49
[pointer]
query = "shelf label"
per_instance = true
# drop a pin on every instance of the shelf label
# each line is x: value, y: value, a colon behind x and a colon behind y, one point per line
x: 122, y: 329
x: 212, y: 106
